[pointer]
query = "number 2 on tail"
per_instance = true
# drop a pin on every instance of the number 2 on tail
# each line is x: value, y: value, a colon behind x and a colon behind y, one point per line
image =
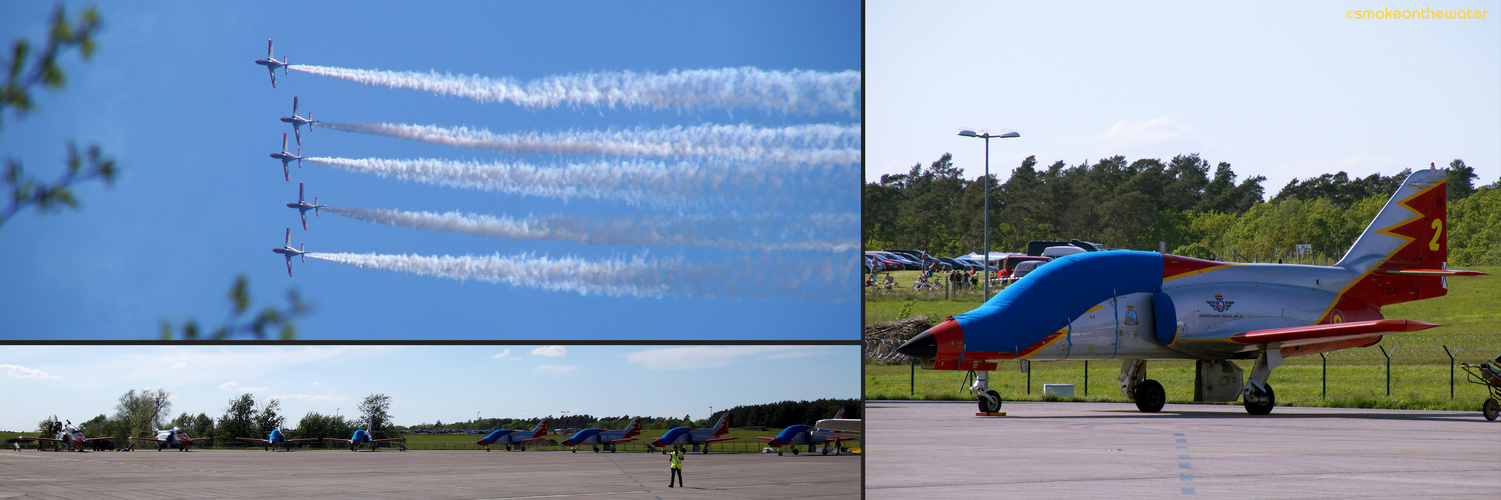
x: 1438, y: 230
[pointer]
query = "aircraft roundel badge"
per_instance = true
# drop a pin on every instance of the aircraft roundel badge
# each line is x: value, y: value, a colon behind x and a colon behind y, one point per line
x: 1219, y: 303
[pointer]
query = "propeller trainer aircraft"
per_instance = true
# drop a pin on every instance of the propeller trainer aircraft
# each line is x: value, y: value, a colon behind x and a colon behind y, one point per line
x: 1137, y: 306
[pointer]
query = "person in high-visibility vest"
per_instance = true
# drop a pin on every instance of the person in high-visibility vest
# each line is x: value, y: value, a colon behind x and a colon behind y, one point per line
x: 676, y: 461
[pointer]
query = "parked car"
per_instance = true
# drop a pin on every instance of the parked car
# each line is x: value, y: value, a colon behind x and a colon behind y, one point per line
x: 916, y: 255
x: 1009, y: 263
x: 906, y: 262
x: 1026, y: 268
x: 884, y: 264
x: 981, y: 265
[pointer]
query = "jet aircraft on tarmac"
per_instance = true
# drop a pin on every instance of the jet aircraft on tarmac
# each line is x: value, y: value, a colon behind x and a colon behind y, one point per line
x: 695, y: 437
x: 65, y: 434
x: 277, y: 438
x: 303, y: 206
x: 298, y: 121
x: 1136, y: 306
x: 609, y: 439
x: 271, y: 63
x: 287, y: 251
x: 510, y: 437
x: 795, y: 435
x: 366, y: 436
x: 167, y: 438
x: 286, y: 158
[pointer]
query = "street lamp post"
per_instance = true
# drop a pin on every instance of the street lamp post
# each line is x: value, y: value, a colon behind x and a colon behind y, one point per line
x: 987, y: 136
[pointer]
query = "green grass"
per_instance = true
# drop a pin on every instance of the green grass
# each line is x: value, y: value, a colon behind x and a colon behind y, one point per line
x: 1470, y: 313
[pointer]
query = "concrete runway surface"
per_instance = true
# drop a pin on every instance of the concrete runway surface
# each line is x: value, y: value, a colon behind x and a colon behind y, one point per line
x: 420, y: 474
x: 1111, y: 450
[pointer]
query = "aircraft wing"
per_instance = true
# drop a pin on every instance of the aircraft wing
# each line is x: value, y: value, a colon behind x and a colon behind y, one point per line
x: 1435, y: 272
x: 346, y: 441
x: 617, y: 441
x: 766, y: 438
x: 154, y: 440
x: 830, y: 428
x: 255, y: 440
x: 1315, y: 334
x: 304, y: 440
x: 387, y: 440
x: 718, y: 439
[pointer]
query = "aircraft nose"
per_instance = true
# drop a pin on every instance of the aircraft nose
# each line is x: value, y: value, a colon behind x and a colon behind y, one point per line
x: 924, y: 346
x: 946, y: 339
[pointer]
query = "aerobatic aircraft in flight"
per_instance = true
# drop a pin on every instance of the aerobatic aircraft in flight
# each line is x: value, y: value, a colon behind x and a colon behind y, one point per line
x: 298, y: 121
x: 366, y: 436
x: 286, y: 158
x: 1137, y: 306
x: 303, y: 206
x: 287, y: 251
x: 277, y: 438
x: 271, y: 63
x: 66, y: 435
x: 608, y: 439
x: 695, y: 437
x: 796, y: 435
x: 518, y: 438
x: 168, y: 438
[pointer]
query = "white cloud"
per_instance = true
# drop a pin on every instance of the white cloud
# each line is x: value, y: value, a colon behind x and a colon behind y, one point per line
x: 309, y: 398
x: 506, y: 355
x: 235, y: 386
x: 556, y: 369
x: 684, y: 358
x: 18, y: 371
x: 551, y: 351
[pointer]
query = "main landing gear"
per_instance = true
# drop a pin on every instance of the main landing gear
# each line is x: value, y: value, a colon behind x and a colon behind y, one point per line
x: 990, y: 401
x: 1258, y: 395
x: 1148, y: 394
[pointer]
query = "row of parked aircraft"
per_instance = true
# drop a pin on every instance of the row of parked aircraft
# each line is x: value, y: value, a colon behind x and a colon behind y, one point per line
x: 824, y: 432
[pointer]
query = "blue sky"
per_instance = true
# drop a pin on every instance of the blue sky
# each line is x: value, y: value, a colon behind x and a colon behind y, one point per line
x: 174, y: 96
x: 426, y: 383
x: 1282, y: 89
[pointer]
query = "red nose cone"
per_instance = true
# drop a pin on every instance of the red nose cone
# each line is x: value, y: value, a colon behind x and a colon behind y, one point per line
x: 944, y: 341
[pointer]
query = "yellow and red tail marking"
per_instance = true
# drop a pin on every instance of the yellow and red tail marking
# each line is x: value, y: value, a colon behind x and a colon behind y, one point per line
x: 1424, y: 246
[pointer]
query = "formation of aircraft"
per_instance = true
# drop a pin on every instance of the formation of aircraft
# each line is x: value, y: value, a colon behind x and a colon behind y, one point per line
x: 286, y: 158
x: 271, y: 63
x: 1138, y: 306
x: 168, y: 438
x: 695, y: 437
x: 303, y: 206
x: 66, y: 436
x: 519, y: 439
x: 277, y: 438
x: 608, y: 439
x: 363, y: 437
x: 288, y: 252
x: 298, y: 121
x: 796, y: 435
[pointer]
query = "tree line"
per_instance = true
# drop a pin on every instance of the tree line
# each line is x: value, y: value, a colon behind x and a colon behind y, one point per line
x: 1196, y: 210
x: 137, y: 413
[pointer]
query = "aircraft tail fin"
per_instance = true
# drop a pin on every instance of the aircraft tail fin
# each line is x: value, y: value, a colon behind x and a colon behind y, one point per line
x: 722, y: 427
x: 541, y: 429
x: 840, y: 414
x: 634, y: 428
x: 1403, y: 254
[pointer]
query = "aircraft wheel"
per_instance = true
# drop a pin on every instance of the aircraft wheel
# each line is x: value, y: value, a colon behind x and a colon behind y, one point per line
x: 779, y: 452
x: 1263, y: 408
x: 992, y: 403
x: 826, y: 451
x: 1150, y: 397
x: 1491, y: 409
x: 794, y: 450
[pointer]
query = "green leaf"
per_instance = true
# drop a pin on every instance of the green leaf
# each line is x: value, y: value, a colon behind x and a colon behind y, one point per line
x: 239, y: 294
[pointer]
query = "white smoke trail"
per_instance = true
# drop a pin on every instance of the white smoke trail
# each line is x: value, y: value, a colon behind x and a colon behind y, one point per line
x: 810, y: 144
x: 636, y: 277
x: 677, y: 184
x: 814, y: 232
x: 765, y: 276
x: 794, y: 92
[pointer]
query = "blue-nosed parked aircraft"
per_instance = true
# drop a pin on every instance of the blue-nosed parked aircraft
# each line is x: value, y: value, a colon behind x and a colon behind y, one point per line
x: 518, y: 438
x: 278, y: 439
x: 609, y: 439
x: 796, y: 435
x: 1137, y: 306
x: 695, y: 437
x: 366, y: 436
x: 168, y: 438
